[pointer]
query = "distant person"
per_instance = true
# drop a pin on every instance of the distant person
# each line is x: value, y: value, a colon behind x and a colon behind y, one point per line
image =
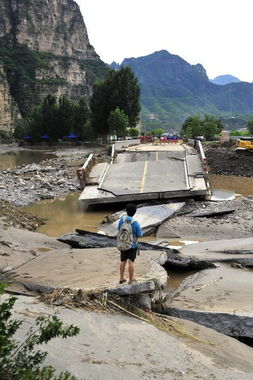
x: 129, y: 231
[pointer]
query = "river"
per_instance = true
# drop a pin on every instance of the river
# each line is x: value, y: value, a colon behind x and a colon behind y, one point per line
x: 66, y: 214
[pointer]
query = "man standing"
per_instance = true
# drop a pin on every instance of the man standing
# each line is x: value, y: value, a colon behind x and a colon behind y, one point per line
x: 130, y: 254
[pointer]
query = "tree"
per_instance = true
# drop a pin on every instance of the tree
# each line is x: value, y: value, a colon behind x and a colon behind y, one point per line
x: 133, y: 132
x: 82, y: 127
x: 194, y: 126
x: 157, y: 132
x: 42, y: 119
x: 119, y: 89
x: 250, y: 126
x: 211, y: 126
x: 65, y: 120
x: 22, y: 129
x: 56, y: 119
x: 100, y: 108
x: 118, y: 123
x: 126, y: 94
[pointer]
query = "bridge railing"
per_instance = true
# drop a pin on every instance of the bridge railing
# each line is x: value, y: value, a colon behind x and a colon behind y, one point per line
x: 83, y: 172
x: 198, y: 145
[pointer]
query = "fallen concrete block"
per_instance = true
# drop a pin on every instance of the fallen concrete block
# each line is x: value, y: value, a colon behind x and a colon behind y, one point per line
x: 149, y: 218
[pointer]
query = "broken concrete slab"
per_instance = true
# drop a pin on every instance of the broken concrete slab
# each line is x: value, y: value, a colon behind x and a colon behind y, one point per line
x: 213, y: 298
x: 13, y: 259
x: 149, y: 218
x: 216, y: 251
x: 37, y: 241
x: 15, y: 252
x: 152, y: 281
x: 211, y: 213
x: 81, y: 269
x: 87, y: 239
x: 186, y: 350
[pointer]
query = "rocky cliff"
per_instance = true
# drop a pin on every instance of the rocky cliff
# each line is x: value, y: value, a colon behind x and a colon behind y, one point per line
x: 44, y: 48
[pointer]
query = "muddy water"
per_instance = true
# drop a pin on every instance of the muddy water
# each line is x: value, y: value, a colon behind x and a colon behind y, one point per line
x: 240, y: 185
x: 66, y: 214
x: 11, y: 160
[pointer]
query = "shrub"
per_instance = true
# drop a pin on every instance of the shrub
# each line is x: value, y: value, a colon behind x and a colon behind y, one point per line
x: 22, y: 361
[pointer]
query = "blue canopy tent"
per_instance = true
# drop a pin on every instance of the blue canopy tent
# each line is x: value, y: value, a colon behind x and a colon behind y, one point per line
x: 72, y: 136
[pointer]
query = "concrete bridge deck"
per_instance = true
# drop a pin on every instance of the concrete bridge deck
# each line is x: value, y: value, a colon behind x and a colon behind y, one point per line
x: 147, y: 171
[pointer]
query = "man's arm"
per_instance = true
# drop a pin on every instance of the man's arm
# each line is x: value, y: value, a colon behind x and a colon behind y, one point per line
x: 138, y: 230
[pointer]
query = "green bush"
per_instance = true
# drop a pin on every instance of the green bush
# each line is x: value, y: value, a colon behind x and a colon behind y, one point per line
x: 22, y: 360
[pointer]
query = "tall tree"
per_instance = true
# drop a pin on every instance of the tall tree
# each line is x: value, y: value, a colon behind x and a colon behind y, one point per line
x: 192, y: 127
x: 65, y: 118
x: 119, y: 89
x: 42, y: 118
x: 81, y: 119
x: 126, y: 94
x: 118, y: 123
x: 211, y: 126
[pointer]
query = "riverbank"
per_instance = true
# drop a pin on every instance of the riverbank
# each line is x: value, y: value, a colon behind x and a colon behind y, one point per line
x: 222, y: 159
x: 50, y: 179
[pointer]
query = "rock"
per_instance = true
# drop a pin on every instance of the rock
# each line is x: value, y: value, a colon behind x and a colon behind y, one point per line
x: 7, y: 269
x: 135, y: 288
x: 144, y: 301
x: 61, y: 181
x: 46, y: 185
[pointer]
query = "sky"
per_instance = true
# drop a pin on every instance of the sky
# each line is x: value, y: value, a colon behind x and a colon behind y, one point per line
x: 215, y: 33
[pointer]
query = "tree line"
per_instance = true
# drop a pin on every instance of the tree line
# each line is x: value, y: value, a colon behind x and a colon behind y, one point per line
x: 114, y: 109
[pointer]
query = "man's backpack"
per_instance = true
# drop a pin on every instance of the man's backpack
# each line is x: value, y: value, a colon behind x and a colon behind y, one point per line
x: 125, y: 236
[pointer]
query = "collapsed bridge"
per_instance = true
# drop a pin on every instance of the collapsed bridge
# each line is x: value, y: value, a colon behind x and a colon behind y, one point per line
x: 138, y: 172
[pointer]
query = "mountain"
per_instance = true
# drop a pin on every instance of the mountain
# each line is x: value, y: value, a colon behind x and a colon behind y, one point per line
x: 224, y: 79
x: 44, y: 48
x: 172, y: 90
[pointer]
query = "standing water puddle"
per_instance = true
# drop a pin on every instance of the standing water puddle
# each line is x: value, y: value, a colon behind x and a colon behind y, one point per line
x: 11, y: 160
x: 66, y: 214
x: 239, y: 185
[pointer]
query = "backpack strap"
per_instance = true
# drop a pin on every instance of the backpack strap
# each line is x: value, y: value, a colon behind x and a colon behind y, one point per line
x: 131, y: 221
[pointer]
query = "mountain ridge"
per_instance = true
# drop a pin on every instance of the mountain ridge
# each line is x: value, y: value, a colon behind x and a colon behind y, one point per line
x: 172, y: 90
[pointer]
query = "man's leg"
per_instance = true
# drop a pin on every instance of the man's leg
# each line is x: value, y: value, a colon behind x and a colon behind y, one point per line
x: 122, y: 270
x: 131, y: 271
